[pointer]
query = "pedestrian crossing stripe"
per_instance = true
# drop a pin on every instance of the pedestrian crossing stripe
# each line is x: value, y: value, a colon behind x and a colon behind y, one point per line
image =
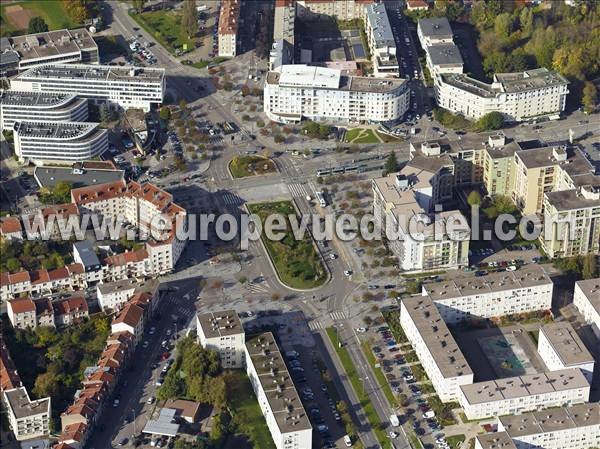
x: 338, y: 315
x: 231, y: 200
x: 315, y: 325
x: 299, y: 190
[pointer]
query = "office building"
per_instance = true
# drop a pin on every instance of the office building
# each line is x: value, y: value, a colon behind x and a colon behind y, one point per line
x: 435, y: 346
x: 520, y: 394
x: 294, y: 92
x: 59, y: 142
x: 27, y: 418
x: 223, y: 332
x: 125, y: 87
x: 229, y: 18
x: 572, y: 221
x: 586, y: 298
x: 518, y: 96
x: 23, y: 52
x: 560, y: 347
x: 276, y: 394
x: 18, y: 106
x: 421, y: 240
x: 528, y: 289
x: 380, y: 39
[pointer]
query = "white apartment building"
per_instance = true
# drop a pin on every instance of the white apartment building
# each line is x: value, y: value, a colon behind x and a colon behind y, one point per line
x: 560, y: 348
x: 434, y: 31
x: 276, y: 394
x: 435, y: 346
x: 21, y: 313
x: 27, y: 419
x: 294, y: 92
x: 518, y: 96
x: 528, y: 289
x: 58, y: 142
x: 586, y: 298
x: 114, y: 295
x: 402, y: 203
x: 229, y: 18
x: 520, y: 394
x: 18, y: 106
x: 443, y: 58
x: 496, y: 440
x: 574, y: 427
x: 223, y: 332
x: 572, y: 220
x: 341, y: 9
x: 125, y: 87
x: 380, y: 38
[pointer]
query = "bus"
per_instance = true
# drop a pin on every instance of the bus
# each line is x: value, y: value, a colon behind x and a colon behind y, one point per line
x: 321, y: 199
x: 323, y: 171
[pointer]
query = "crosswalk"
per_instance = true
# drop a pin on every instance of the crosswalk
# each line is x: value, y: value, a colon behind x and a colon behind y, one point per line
x: 231, y: 199
x: 315, y: 325
x: 258, y: 288
x: 338, y: 316
x: 301, y: 190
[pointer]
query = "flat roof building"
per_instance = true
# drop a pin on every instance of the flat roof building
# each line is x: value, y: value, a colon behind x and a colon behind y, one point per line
x: 17, y: 106
x: 53, y: 142
x: 223, y: 332
x: 126, y: 87
x: 83, y: 174
x: 277, y: 396
x: 381, y: 40
x: 434, y: 31
x: 444, y: 58
x: 27, y: 418
x: 586, y: 298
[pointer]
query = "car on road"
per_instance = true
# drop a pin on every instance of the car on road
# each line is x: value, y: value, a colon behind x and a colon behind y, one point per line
x: 123, y: 442
x: 150, y: 400
x: 145, y: 344
x: 393, y: 434
x: 362, y: 330
x: 333, y: 256
x: 347, y: 273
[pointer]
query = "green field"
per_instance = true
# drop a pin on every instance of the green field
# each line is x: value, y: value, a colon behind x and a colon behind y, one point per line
x: 296, y: 261
x: 243, y: 166
x: 246, y: 412
x: 361, y: 135
x: 363, y: 398
x: 52, y: 11
x: 165, y: 27
x: 455, y: 441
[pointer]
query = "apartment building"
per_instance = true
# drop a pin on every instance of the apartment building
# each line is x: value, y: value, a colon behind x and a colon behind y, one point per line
x: 443, y: 58
x: 229, y: 18
x: 223, y: 332
x: 520, y: 394
x: 402, y: 203
x: 548, y: 169
x: 68, y: 311
x: 276, y: 394
x: 294, y: 92
x: 586, y: 297
x: 496, y: 440
x: 21, y: 313
x: 11, y: 228
x: 27, y: 418
x: 518, y: 96
x: 560, y: 348
x: 18, y: 106
x: 528, y: 289
x: 51, y: 47
x: 56, y: 142
x: 574, y: 427
x: 381, y: 41
x: 435, y: 346
x: 572, y: 221
x: 113, y: 295
x: 121, y: 86
x: 284, y: 25
x: 341, y: 9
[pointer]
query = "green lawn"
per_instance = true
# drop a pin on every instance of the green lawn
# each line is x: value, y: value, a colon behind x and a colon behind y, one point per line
x: 246, y: 411
x: 296, y: 261
x: 165, y: 27
x: 443, y: 411
x: 52, y: 11
x: 455, y: 441
x: 361, y: 135
x: 363, y: 398
x: 243, y: 166
x: 379, y: 375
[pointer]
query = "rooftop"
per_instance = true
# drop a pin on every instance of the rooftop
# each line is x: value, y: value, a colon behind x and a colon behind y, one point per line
x: 569, y: 158
x: 229, y: 16
x: 23, y: 407
x: 441, y: 344
x: 86, y: 252
x: 496, y: 440
x: 572, y: 417
x: 148, y: 286
x: 94, y: 72
x: 444, y: 54
x: 529, y: 79
x: 527, y: 385
x: 52, y: 43
x: 57, y: 130
x: 277, y: 383
x: 50, y: 176
x: 566, y: 343
x: 21, y: 305
x: 436, y: 27
x: 380, y: 24
x: 220, y: 324
x: 42, y: 99
x: 591, y: 290
x: 525, y: 277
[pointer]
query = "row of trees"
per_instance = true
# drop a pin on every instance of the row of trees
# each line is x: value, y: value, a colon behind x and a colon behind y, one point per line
x: 31, y: 255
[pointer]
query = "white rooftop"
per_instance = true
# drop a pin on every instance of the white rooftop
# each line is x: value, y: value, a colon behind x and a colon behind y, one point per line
x: 309, y: 76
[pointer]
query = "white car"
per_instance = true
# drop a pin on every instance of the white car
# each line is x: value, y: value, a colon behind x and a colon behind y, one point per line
x: 393, y: 435
x: 347, y: 273
x: 116, y: 403
x: 150, y: 400
x: 362, y: 330
x: 333, y: 256
x: 511, y: 268
x: 152, y: 330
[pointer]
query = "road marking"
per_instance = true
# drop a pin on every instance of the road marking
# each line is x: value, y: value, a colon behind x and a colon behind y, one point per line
x: 231, y: 199
x: 315, y: 325
x: 338, y: 316
x: 299, y: 190
x: 257, y: 288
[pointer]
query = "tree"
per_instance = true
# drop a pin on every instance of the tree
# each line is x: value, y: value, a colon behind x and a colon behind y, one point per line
x: 589, y: 269
x: 62, y: 191
x: 37, y: 25
x: 526, y: 21
x: 490, y: 121
x: 138, y: 5
x: 189, y: 18
x: 13, y: 265
x: 503, y: 25
x: 391, y: 163
x: 589, y: 99
x: 78, y: 13
x: 474, y: 198
x: 182, y: 104
x: 165, y: 113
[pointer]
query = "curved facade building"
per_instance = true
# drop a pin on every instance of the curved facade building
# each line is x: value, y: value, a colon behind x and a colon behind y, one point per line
x: 17, y: 106
x: 59, y: 142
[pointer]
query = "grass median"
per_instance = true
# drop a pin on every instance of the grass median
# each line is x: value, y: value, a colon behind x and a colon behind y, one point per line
x: 244, y: 166
x: 363, y: 398
x: 297, y: 262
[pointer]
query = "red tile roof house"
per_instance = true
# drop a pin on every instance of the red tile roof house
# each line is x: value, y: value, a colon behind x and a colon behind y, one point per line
x: 130, y: 319
x: 48, y: 221
x: 21, y: 313
x: 9, y: 377
x: 11, y: 228
x: 70, y: 310
x: 44, y: 312
x: 12, y: 285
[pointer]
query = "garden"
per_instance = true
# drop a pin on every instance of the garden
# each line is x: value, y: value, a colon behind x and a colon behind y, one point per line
x: 251, y: 165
